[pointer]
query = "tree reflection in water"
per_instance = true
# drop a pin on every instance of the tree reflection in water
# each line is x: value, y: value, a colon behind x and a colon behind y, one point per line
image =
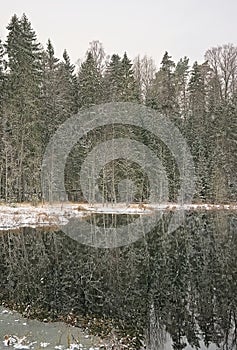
x: 183, y: 283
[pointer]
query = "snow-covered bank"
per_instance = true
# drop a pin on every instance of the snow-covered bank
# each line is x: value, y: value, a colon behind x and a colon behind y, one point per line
x: 22, y: 215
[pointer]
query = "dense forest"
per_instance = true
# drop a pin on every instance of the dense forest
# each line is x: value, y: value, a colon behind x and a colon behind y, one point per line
x: 38, y: 92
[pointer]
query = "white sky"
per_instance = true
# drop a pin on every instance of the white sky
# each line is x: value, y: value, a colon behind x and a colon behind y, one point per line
x: 182, y: 27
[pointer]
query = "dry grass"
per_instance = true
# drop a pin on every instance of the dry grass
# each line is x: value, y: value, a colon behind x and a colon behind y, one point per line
x: 80, y: 207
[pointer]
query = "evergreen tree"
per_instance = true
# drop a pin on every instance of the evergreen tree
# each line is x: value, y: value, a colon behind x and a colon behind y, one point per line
x: 197, y: 92
x: 49, y: 92
x: 112, y: 80
x: 129, y: 87
x: 90, y: 87
x: 2, y: 129
x: 221, y: 104
x: 197, y: 127
x: 13, y: 44
x: 222, y: 135
x: 52, y: 61
x: 162, y: 92
x: 22, y: 107
x: 59, y: 91
x: 38, y: 92
x: 231, y: 161
x: 1, y: 64
x: 67, y: 71
x: 2, y: 76
x: 181, y: 84
x: 119, y: 81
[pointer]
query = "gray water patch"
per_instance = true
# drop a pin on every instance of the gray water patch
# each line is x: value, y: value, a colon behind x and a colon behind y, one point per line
x: 57, y: 335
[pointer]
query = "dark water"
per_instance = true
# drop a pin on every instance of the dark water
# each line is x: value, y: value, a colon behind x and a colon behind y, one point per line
x: 178, y: 289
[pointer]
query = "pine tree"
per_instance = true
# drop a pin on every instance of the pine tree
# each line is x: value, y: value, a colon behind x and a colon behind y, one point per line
x: 162, y: 92
x: 197, y: 91
x: 181, y: 84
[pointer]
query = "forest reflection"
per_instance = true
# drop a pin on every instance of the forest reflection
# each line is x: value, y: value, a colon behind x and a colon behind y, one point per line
x: 183, y: 283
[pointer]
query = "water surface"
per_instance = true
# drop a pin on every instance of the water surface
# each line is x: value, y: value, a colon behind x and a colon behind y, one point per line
x: 182, y: 284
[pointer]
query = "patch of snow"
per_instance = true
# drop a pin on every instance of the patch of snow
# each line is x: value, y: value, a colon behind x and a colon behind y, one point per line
x: 5, y: 312
x: 20, y: 346
x: 59, y: 214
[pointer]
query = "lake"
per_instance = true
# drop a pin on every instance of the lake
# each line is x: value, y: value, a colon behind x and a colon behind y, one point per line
x: 172, y: 290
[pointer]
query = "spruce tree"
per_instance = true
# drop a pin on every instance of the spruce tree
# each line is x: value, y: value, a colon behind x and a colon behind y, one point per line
x: 120, y: 84
x: 90, y: 86
x: 129, y: 86
x: 69, y: 78
x: 112, y: 80
x: 49, y: 92
x: 59, y: 91
x: 22, y: 107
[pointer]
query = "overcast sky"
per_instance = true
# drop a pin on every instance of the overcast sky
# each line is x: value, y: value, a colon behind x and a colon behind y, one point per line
x: 182, y: 27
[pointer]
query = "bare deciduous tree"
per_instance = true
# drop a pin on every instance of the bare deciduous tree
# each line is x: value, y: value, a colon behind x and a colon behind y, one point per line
x: 144, y: 72
x: 223, y: 62
x: 97, y: 50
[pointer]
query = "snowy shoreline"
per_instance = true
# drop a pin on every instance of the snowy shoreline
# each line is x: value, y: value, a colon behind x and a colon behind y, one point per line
x: 22, y: 215
x: 18, y: 332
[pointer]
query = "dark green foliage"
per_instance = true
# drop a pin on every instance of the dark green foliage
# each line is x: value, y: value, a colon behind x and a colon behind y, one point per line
x: 162, y: 92
x: 38, y: 92
x: 185, y: 281
x: 21, y: 110
x: 112, y: 80
x: 59, y: 92
x: 119, y: 81
x: 90, y: 90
